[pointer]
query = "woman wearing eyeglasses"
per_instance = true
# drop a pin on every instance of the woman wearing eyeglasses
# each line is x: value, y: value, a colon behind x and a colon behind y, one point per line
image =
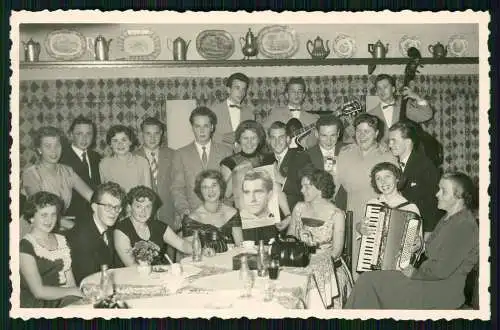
x: 142, y: 203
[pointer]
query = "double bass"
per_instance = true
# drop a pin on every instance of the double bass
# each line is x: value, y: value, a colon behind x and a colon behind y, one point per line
x: 428, y: 144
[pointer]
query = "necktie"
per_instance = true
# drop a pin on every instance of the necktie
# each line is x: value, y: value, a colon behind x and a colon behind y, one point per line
x: 278, y: 159
x: 105, y: 236
x: 154, y: 167
x: 402, y: 165
x: 294, y: 109
x: 204, y: 157
x: 388, y: 105
x: 235, y: 106
x: 85, y: 162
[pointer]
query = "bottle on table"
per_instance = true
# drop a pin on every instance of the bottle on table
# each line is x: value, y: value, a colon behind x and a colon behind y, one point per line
x: 106, y: 287
x: 262, y: 260
x: 246, y: 277
x: 197, y: 248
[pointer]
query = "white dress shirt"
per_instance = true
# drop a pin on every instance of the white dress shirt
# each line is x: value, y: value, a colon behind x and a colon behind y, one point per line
x: 294, y: 113
x: 234, y: 114
x: 101, y: 229
x: 199, y: 148
x: 80, y: 152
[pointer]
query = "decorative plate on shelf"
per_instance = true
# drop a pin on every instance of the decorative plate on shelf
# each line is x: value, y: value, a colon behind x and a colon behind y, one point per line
x: 457, y: 45
x: 344, y: 46
x: 407, y: 42
x: 277, y: 42
x: 140, y: 45
x: 65, y: 44
x: 215, y: 44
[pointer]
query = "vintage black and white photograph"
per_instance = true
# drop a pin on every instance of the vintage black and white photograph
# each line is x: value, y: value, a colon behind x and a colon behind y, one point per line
x: 240, y: 164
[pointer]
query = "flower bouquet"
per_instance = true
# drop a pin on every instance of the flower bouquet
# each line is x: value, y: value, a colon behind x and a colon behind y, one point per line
x: 144, y: 253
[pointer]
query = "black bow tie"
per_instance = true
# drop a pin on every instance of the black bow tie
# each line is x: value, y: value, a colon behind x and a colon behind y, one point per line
x: 402, y: 164
x: 294, y: 109
x: 235, y: 106
x: 388, y: 105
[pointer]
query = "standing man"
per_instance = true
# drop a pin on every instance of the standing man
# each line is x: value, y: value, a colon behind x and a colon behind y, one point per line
x: 323, y: 156
x: 389, y: 108
x: 91, y: 242
x: 256, y: 218
x: 421, y: 176
x: 295, y: 95
x: 289, y: 162
x: 231, y: 112
x: 84, y: 161
x: 160, y: 159
x: 203, y: 153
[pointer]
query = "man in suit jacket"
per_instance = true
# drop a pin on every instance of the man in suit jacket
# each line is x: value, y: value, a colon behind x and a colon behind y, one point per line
x: 160, y: 159
x: 295, y: 95
x: 420, y: 175
x: 91, y: 242
x: 231, y: 112
x: 323, y: 156
x: 389, y: 108
x: 290, y: 162
x: 84, y: 161
x: 189, y: 161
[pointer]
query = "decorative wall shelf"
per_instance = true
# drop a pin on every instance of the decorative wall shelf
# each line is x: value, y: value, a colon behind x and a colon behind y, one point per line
x: 241, y: 63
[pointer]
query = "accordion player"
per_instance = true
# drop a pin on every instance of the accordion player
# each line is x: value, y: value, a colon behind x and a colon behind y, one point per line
x: 391, y: 247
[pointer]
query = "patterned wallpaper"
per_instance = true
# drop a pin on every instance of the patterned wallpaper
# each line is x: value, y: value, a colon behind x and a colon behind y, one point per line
x: 127, y: 101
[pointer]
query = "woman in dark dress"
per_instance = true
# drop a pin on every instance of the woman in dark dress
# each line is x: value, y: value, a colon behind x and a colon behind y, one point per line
x: 142, y: 203
x: 213, y: 217
x: 45, y: 261
x: 250, y: 137
x: 451, y: 251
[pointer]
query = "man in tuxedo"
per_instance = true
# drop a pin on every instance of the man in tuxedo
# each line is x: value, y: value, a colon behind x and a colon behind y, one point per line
x: 420, y: 175
x: 84, y: 161
x: 91, y: 242
x: 256, y: 217
x: 323, y: 156
x: 289, y: 162
x: 389, y: 108
x: 202, y: 154
x: 295, y: 95
x: 231, y: 112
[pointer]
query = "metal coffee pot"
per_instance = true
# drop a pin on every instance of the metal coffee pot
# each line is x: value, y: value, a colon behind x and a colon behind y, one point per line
x: 378, y: 50
x: 438, y: 50
x: 317, y: 49
x: 101, y: 48
x: 179, y: 48
x: 249, y: 45
x: 31, y: 51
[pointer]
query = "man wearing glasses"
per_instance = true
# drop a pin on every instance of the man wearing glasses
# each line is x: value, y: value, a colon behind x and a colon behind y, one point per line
x: 91, y: 242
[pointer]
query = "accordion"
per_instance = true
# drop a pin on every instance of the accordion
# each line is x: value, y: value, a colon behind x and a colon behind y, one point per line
x: 390, y: 248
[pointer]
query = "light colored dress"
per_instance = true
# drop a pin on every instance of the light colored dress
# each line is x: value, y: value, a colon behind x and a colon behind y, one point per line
x: 37, y: 178
x: 353, y: 173
x: 322, y: 264
x: 128, y: 173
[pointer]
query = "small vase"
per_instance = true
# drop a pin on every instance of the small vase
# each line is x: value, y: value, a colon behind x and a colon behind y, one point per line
x: 144, y: 268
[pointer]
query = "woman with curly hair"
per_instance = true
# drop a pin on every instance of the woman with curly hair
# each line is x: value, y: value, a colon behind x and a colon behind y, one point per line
x: 451, y: 251
x: 45, y: 260
x: 123, y: 167
x: 142, y: 203
x: 318, y: 222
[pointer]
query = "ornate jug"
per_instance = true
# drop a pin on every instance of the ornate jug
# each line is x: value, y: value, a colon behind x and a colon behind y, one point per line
x: 378, y: 50
x: 249, y: 45
x: 101, y: 48
x: 31, y: 51
x: 179, y: 48
x: 317, y: 49
x: 438, y: 50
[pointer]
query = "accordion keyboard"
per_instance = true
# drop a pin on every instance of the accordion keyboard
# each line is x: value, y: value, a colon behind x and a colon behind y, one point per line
x: 369, y: 249
x: 412, y: 231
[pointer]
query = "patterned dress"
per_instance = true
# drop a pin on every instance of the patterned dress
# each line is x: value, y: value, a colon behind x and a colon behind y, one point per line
x: 322, y: 264
x: 52, y: 266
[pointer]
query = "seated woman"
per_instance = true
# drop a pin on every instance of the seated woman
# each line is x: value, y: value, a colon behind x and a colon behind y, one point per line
x: 213, y: 217
x: 45, y: 260
x: 318, y: 222
x: 48, y: 174
x: 385, y: 179
x: 142, y: 203
x: 123, y: 167
x: 452, y: 250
